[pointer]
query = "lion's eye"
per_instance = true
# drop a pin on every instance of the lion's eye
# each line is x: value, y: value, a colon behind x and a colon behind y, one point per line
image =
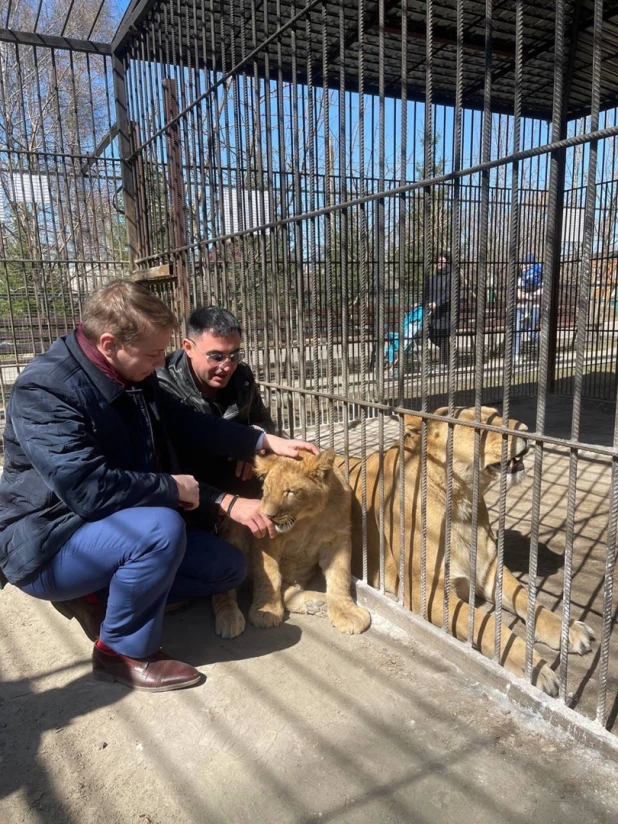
x: 290, y: 492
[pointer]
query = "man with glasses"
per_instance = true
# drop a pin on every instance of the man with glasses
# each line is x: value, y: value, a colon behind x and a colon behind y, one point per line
x: 209, y: 375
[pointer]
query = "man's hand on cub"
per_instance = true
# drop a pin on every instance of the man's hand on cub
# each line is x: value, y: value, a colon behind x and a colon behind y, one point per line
x: 246, y: 511
x: 280, y: 446
x: 188, y: 491
x: 287, y: 446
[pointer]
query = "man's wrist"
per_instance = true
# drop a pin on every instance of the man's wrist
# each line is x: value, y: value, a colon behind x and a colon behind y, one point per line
x: 260, y: 444
x: 224, y: 501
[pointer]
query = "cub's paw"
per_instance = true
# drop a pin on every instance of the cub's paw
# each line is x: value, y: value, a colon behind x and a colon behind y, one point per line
x: 229, y: 622
x: 305, y: 602
x: 351, y: 619
x: 580, y: 636
x: 546, y: 679
x: 316, y: 606
x: 268, y: 615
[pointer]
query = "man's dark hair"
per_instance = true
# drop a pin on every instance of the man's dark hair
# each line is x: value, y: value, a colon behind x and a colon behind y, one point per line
x: 444, y: 254
x: 219, y: 322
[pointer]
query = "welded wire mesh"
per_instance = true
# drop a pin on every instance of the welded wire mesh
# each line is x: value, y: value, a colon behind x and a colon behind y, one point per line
x: 303, y: 163
x: 61, y: 214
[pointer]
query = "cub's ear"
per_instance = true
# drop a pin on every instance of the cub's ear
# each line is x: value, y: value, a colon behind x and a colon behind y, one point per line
x: 318, y: 466
x: 413, y: 426
x: 263, y: 464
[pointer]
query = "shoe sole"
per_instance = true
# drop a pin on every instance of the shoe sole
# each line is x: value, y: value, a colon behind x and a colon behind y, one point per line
x: 68, y: 614
x: 105, y: 676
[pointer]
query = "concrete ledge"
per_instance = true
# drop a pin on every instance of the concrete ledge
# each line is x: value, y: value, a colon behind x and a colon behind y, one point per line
x: 489, y: 672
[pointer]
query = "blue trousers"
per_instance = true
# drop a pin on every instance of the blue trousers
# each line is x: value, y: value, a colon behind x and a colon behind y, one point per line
x: 144, y: 556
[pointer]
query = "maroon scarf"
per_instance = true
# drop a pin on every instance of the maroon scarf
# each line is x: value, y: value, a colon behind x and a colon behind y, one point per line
x: 96, y: 357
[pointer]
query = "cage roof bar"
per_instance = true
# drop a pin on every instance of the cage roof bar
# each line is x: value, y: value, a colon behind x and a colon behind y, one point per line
x: 38, y: 15
x: 96, y: 19
x: 52, y: 41
x: 67, y: 17
x: 136, y: 11
x: 538, y: 49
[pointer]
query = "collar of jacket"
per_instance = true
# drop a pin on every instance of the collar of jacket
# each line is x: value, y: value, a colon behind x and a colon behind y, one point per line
x: 106, y: 386
x: 184, y: 368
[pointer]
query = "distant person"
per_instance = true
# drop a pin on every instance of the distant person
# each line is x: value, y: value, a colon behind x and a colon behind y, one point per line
x: 528, y: 309
x: 437, y: 306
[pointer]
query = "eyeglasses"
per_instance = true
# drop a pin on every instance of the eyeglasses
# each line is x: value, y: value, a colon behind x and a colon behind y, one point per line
x: 221, y: 357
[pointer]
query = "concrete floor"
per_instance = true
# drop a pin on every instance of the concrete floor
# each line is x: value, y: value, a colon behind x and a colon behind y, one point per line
x: 297, y: 724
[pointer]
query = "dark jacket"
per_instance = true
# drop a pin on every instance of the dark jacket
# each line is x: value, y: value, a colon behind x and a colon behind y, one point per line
x: 438, y: 291
x: 77, y: 450
x: 239, y: 401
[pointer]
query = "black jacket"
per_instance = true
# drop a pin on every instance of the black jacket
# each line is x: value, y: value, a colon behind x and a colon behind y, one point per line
x: 438, y: 291
x: 239, y: 401
x: 76, y: 450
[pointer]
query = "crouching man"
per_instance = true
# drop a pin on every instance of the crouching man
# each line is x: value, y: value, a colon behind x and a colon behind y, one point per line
x: 92, y: 494
x: 209, y: 375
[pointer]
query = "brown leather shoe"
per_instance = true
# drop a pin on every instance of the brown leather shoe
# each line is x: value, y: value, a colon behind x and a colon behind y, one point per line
x: 157, y: 673
x: 89, y: 616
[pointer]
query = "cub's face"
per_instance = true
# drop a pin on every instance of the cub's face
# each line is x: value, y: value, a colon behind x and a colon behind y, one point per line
x: 463, y: 445
x: 293, y: 489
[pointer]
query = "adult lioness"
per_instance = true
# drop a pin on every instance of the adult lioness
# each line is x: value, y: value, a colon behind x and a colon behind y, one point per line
x: 310, y: 504
x: 515, y: 596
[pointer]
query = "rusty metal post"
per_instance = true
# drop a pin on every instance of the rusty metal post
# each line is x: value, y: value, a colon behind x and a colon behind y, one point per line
x: 141, y: 200
x: 124, y: 142
x: 176, y: 191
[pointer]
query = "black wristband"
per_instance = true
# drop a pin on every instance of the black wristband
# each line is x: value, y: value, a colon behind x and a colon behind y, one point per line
x: 232, y: 502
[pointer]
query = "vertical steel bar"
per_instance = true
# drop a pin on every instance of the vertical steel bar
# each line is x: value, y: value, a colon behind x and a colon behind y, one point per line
x: 176, y: 189
x: 124, y: 142
x: 454, y: 313
x: 553, y: 199
x: 480, y: 310
x: 583, y: 302
x: 512, y: 275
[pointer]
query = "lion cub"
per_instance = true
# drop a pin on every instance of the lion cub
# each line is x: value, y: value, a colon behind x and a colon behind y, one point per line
x: 310, y: 504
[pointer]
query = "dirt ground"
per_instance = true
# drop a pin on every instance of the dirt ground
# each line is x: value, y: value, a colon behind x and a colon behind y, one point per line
x: 293, y: 725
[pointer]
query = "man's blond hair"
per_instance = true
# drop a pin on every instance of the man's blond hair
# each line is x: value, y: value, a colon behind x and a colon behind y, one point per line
x: 126, y: 310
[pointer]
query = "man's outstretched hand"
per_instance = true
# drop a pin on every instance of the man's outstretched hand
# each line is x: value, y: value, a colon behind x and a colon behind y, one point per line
x: 246, y: 511
x: 287, y: 446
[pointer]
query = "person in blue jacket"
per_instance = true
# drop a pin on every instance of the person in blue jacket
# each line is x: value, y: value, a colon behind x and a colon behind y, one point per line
x: 528, y: 309
x: 92, y: 493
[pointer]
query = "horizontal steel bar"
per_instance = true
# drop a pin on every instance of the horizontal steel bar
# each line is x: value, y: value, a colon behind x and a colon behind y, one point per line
x: 62, y: 262
x: 51, y: 41
x: 103, y: 144
x: 535, y: 437
x: 65, y: 155
x: 536, y: 151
